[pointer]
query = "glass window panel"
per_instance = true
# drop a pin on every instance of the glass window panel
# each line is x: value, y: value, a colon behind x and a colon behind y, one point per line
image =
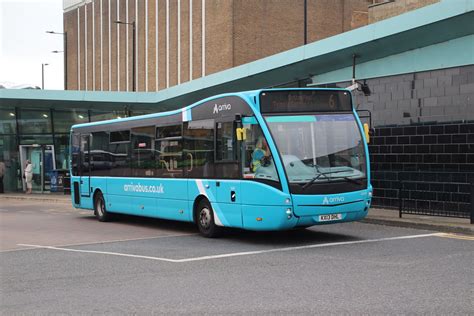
x: 85, y: 162
x: 323, y: 147
x: 35, y: 121
x: 61, y: 150
x: 76, y: 151
x: 120, y: 136
x: 199, y: 148
x: 36, y: 139
x: 143, y: 151
x: 168, y: 131
x: 9, y: 154
x: 120, y: 157
x: 63, y: 120
x: 225, y: 144
x: 106, y: 115
x: 227, y: 166
x: 169, y: 148
x: 257, y: 159
x: 136, y: 113
x: 7, y: 121
x: 101, y: 159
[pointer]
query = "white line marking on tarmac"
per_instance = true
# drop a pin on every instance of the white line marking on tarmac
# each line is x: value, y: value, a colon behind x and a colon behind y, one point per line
x: 101, y: 242
x: 247, y: 253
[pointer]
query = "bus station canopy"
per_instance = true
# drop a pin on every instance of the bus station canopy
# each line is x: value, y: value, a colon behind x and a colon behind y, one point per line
x: 440, y: 35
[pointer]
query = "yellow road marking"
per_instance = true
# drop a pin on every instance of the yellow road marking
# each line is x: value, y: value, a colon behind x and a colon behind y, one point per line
x: 455, y: 236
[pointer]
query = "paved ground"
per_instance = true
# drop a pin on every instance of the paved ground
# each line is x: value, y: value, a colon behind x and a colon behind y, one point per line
x: 148, y: 266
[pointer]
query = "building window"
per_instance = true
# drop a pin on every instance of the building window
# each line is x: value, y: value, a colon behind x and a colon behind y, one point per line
x: 35, y: 121
x: 7, y: 121
x: 63, y: 120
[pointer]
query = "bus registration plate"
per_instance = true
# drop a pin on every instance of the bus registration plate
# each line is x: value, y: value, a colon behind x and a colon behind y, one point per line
x: 330, y: 217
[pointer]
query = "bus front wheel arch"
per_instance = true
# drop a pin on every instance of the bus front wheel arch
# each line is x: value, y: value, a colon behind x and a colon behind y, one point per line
x: 100, y: 209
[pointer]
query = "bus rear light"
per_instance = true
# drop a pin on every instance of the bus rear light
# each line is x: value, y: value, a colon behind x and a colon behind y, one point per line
x: 289, y: 213
x: 259, y: 219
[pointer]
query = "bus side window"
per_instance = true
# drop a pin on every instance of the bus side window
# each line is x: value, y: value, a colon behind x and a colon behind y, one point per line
x: 100, y: 155
x: 75, y: 152
x: 199, y: 148
x: 169, y: 151
x: 143, y: 151
x: 257, y: 160
x: 227, y: 165
x: 119, y: 149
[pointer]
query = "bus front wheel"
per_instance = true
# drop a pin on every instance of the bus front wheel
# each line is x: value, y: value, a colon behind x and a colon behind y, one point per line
x: 205, y: 220
x: 99, y: 208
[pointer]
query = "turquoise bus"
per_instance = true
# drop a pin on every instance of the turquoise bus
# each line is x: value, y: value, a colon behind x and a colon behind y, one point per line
x: 260, y: 160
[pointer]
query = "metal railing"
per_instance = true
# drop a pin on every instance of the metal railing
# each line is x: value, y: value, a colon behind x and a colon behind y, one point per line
x: 446, y: 194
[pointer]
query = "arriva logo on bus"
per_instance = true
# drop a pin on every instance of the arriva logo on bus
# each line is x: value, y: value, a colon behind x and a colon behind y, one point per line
x: 221, y: 107
x: 337, y: 199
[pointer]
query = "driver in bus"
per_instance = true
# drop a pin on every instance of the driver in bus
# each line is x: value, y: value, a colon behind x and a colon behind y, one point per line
x: 261, y: 156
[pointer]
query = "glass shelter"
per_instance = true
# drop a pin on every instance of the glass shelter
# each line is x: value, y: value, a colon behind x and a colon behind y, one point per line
x: 37, y: 129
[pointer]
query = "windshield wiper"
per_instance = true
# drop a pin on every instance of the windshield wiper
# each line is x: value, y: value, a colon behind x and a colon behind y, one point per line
x: 356, y: 181
x: 319, y: 175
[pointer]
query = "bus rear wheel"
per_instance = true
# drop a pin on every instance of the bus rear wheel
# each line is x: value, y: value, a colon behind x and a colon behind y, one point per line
x: 205, y: 220
x: 99, y: 208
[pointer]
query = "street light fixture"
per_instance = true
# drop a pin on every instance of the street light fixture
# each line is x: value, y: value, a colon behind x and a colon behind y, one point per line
x: 133, y: 50
x: 63, y: 51
x: 42, y: 75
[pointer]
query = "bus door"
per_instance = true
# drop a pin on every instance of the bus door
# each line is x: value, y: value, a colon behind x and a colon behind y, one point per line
x: 85, y: 166
x: 227, y: 168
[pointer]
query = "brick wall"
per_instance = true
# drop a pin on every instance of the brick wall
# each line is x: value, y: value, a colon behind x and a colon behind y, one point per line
x: 424, y: 122
x: 444, y: 95
x: 418, y: 148
x: 236, y: 32
x: 385, y: 9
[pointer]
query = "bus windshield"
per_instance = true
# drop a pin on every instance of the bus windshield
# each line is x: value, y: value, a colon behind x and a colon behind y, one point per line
x: 319, y: 148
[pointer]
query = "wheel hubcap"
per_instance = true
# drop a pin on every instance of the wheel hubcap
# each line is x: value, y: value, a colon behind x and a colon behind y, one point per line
x: 205, y: 218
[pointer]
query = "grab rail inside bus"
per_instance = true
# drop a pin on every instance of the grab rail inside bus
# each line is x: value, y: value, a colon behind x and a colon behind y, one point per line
x: 191, y: 159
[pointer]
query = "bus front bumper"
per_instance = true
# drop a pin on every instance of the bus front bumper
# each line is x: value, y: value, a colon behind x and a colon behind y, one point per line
x: 330, y: 209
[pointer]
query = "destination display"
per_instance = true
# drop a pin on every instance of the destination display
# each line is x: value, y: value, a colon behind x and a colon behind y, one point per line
x: 305, y: 101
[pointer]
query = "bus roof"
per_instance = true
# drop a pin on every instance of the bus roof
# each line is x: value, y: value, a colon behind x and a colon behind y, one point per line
x: 246, y: 95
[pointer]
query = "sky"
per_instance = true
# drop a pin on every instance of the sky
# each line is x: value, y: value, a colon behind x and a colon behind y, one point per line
x: 25, y: 45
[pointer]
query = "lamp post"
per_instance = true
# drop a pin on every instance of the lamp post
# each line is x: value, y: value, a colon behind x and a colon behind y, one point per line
x: 42, y: 75
x: 65, y: 54
x: 133, y: 50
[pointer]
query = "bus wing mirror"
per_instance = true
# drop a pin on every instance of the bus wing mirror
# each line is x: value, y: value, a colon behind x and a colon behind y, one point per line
x: 241, y: 133
x: 367, y: 132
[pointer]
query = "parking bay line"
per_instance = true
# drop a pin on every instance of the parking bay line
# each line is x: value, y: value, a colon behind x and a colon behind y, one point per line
x: 101, y: 242
x: 236, y: 254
